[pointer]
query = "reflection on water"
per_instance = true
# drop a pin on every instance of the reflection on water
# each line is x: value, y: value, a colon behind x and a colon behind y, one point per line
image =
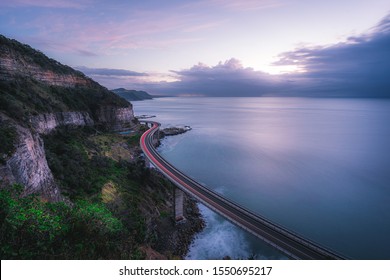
x: 320, y: 167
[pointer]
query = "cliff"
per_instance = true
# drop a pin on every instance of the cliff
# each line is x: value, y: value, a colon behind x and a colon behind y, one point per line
x: 38, y: 95
x: 33, y: 84
x: 28, y: 166
x: 46, y: 123
x: 56, y: 140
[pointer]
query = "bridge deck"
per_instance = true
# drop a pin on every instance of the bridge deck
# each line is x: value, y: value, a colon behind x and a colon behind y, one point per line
x: 291, y: 244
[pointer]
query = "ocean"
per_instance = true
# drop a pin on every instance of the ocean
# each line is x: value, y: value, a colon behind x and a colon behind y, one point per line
x: 319, y: 167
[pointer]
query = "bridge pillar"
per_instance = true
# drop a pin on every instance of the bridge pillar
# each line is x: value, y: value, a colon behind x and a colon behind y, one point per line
x: 179, y: 205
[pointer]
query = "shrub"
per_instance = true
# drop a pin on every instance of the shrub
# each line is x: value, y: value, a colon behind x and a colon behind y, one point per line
x: 8, y: 138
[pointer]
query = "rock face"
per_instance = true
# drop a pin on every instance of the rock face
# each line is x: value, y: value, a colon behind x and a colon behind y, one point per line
x: 110, y: 117
x: 29, y: 166
x: 45, y: 123
x: 118, y: 119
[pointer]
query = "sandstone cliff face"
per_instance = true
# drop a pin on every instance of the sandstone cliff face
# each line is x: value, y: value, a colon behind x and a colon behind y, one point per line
x: 12, y: 65
x: 110, y: 117
x: 115, y: 118
x: 46, y: 123
x: 28, y: 166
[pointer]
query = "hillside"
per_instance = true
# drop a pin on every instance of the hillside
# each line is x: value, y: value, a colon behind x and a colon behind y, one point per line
x: 32, y: 84
x: 132, y: 95
x: 70, y: 186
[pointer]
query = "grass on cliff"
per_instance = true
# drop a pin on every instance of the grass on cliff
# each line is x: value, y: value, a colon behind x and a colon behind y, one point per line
x: 82, y: 162
x: 113, y: 203
x: 33, y: 56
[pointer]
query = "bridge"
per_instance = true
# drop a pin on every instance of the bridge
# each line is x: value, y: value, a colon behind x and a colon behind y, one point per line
x: 286, y: 241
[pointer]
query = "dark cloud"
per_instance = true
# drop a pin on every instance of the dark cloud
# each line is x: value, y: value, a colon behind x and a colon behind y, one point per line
x: 109, y: 72
x: 359, y: 67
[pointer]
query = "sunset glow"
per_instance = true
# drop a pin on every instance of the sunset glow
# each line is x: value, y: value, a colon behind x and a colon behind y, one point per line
x: 157, y: 42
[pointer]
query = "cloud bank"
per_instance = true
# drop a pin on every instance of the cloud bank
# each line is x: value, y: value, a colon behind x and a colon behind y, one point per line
x: 228, y: 78
x: 359, y: 67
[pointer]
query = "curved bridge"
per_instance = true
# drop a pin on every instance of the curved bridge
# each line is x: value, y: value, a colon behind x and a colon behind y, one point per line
x: 291, y: 244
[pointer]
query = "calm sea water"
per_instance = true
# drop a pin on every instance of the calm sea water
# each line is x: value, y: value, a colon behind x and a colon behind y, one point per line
x: 319, y: 167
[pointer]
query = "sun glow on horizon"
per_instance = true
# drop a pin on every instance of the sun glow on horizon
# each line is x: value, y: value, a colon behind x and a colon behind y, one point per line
x: 282, y: 69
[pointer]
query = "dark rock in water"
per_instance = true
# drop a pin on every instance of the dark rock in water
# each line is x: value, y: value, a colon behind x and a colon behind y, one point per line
x: 170, y: 131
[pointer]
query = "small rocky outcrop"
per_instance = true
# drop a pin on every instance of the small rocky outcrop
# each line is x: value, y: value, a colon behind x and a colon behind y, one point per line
x: 171, y: 131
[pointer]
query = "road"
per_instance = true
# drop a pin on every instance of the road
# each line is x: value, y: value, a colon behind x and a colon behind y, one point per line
x: 291, y: 244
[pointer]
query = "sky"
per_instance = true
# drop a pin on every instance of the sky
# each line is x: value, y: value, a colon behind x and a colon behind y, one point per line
x: 214, y: 47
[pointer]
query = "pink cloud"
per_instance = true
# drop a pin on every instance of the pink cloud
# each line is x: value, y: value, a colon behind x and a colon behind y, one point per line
x: 106, y: 34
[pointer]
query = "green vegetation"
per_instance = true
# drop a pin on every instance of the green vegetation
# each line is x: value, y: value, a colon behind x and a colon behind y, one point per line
x: 134, y: 140
x: 24, y: 96
x: 33, y: 229
x: 111, y: 203
x: 105, y: 216
x: 8, y: 137
x: 108, y: 212
x: 78, y: 161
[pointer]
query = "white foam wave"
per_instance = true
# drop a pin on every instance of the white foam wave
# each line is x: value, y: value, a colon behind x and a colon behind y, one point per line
x: 219, y: 239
